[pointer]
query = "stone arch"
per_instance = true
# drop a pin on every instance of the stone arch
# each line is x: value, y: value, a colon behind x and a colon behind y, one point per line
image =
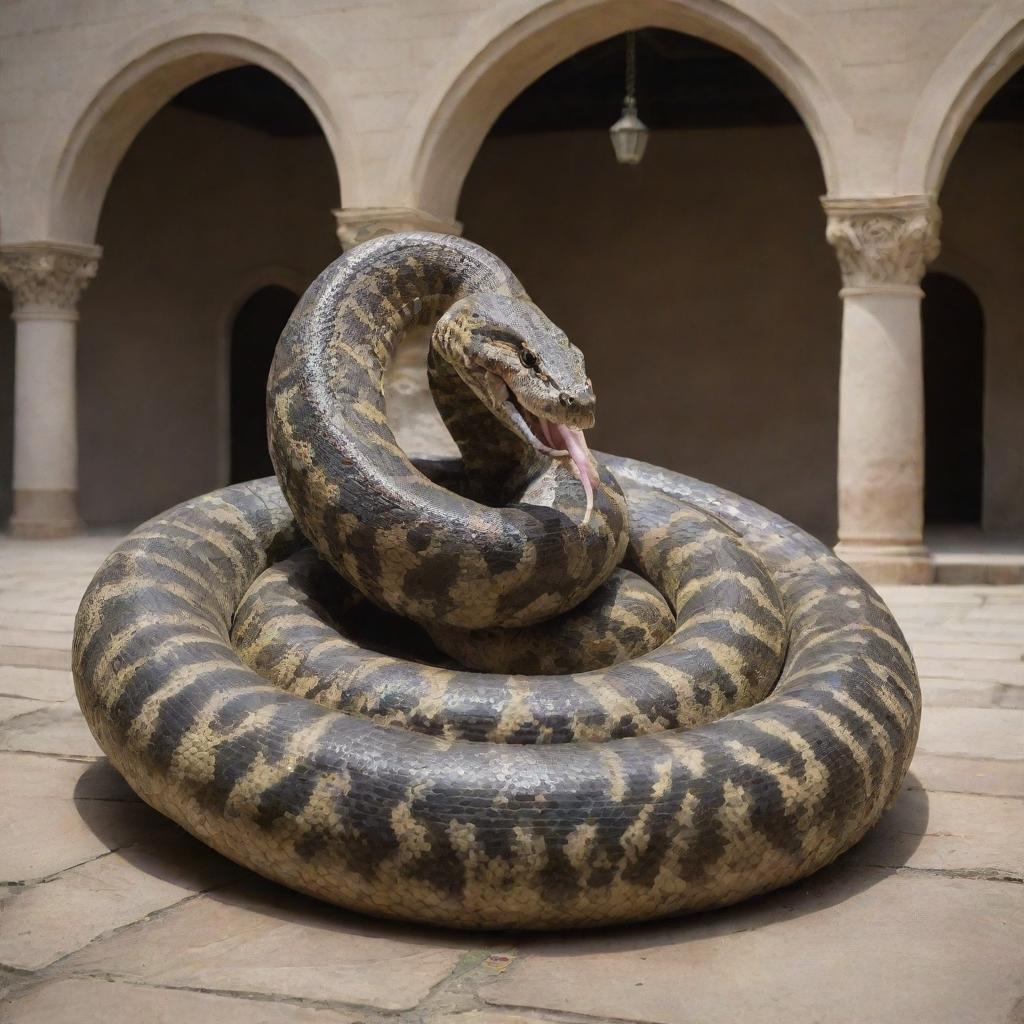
x: 160, y: 65
x: 972, y: 73
x: 457, y: 117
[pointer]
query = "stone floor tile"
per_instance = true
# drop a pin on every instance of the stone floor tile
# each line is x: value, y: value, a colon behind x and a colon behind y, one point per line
x: 56, y: 813
x: 40, y: 638
x: 971, y: 732
x: 1009, y: 672
x: 45, y: 595
x: 485, y: 1017
x: 974, y: 631
x: 936, y: 773
x: 1005, y: 595
x: 960, y: 693
x: 848, y: 949
x: 976, y: 652
x: 16, y: 601
x: 960, y: 832
x: 937, y: 629
x: 46, y: 684
x: 998, y: 612
x: 95, y: 1001
x: 49, y: 621
x: 259, y: 938
x: 47, y: 921
x: 14, y: 707
x: 53, y: 729
x: 896, y: 594
x: 35, y: 657
x: 1012, y: 697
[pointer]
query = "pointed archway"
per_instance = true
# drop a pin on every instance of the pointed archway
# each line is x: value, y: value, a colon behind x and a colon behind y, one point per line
x: 254, y: 334
x: 230, y: 178
x: 953, y: 331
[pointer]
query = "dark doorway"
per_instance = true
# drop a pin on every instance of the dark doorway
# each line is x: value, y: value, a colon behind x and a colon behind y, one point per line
x: 954, y: 384
x: 253, y: 336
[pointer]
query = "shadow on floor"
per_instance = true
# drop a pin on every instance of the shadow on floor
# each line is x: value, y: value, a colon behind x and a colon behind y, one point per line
x: 155, y: 845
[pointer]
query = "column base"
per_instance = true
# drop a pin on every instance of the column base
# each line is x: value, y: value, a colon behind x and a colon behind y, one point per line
x: 45, y: 515
x: 888, y: 563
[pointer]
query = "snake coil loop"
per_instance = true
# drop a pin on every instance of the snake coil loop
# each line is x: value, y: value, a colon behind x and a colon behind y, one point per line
x: 533, y: 689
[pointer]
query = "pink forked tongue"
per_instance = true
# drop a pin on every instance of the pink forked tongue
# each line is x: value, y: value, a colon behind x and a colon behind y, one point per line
x: 576, y: 445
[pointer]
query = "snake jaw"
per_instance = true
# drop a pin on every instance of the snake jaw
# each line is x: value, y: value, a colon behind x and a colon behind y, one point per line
x: 506, y: 407
x: 546, y: 436
x: 529, y: 433
x: 557, y: 441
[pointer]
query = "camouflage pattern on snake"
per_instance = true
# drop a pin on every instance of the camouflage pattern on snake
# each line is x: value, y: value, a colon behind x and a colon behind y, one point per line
x: 531, y: 688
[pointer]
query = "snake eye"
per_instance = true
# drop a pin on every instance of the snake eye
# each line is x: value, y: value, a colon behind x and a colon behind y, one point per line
x: 527, y: 358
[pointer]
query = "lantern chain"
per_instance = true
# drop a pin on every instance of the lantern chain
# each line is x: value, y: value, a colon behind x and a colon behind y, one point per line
x: 631, y: 69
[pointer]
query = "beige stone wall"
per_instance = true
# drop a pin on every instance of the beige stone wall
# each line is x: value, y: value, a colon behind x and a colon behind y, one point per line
x: 200, y: 214
x: 699, y: 286
x: 406, y: 92
x: 983, y: 245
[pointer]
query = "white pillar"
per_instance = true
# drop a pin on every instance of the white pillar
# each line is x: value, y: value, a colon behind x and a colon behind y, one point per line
x: 883, y: 246
x: 46, y: 280
x: 414, y: 418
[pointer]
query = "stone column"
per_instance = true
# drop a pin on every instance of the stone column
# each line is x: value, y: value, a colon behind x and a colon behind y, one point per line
x: 883, y: 246
x: 418, y: 427
x: 46, y: 280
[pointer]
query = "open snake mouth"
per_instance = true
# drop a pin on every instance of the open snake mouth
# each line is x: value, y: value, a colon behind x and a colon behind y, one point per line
x: 556, y: 440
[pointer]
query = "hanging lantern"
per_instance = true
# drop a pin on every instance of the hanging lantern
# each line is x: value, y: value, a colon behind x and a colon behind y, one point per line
x: 629, y: 133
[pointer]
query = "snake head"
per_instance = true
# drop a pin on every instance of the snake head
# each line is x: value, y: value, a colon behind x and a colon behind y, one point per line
x: 525, y: 371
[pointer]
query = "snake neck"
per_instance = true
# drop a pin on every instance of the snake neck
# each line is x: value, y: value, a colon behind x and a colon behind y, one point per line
x: 406, y: 543
x: 498, y: 464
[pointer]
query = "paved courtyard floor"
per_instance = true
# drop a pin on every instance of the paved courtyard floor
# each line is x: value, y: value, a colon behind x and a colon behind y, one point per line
x: 111, y: 914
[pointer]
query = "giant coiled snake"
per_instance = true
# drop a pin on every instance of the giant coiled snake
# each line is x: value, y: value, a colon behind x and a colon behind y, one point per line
x: 724, y: 732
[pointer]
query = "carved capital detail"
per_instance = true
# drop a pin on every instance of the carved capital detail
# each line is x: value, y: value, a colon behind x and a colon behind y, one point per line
x: 360, y: 224
x: 883, y: 243
x: 48, y: 276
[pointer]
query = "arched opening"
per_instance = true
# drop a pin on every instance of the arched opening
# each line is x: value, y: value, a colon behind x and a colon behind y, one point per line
x: 698, y: 284
x: 254, y: 335
x: 983, y: 245
x: 6, y: 406
x: 974, y: 73
x: 232, y: 176
x: 953, y: 326
x: 458, y: 119
x: 150, y: 77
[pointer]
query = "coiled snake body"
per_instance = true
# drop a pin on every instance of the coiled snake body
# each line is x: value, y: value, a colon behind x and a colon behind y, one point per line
x: 597, y: 745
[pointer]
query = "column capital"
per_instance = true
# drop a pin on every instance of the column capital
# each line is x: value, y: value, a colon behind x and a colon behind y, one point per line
x: 47, y: 278
x: 361, y: 223
x: 883, y: 243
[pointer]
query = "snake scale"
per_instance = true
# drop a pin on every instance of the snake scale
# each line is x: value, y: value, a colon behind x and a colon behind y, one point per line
x: 536, y: 687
